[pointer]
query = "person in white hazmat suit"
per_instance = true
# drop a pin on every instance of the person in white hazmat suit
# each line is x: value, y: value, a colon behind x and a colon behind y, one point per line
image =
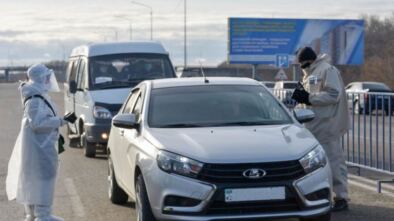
x: 32, y: 169
x: 322, y: 90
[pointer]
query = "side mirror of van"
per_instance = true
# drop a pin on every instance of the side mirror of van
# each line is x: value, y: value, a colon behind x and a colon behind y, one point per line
x: 304, y: 115
x: 73, y: 87
x: 126, y: 121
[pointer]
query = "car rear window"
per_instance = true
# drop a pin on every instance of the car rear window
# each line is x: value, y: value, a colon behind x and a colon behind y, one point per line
x: 376, y: 86
x: 290, y: 85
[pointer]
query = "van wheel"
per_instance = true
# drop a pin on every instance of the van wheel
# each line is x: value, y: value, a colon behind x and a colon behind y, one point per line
x: 115, y: 193
x: 142, y: 205
x: 89, y: 148
x: 326, y: 217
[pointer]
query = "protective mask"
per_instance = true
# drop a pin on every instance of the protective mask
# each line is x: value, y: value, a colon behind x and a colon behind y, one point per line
x: 306, y: 65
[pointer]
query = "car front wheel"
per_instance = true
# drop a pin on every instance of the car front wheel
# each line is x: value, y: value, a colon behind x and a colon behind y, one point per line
x: 115, y: 193
x: 142, y: 205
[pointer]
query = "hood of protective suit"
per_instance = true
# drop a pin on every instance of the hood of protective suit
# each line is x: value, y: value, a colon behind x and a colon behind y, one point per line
x: 323, y: 58
x: 43, y: 78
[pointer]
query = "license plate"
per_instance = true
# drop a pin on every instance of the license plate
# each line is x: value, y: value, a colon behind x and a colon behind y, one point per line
x: 254, y: 194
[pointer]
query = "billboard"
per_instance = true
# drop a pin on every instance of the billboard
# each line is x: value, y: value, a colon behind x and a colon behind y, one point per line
x: 275, y: 41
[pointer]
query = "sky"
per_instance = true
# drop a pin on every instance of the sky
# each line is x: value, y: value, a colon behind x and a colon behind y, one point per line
x: 41, y: 30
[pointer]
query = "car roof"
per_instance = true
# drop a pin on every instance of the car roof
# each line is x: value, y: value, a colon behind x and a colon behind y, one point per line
x: 106, y: 48
x: 200, y: 81
x: 286, y: 82
x: 366, y: 82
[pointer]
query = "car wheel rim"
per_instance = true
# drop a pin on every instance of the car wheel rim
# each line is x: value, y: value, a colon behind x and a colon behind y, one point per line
x: 138, y: 207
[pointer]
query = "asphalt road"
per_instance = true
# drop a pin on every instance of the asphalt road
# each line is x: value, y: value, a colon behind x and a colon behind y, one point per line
x: 81, y: 192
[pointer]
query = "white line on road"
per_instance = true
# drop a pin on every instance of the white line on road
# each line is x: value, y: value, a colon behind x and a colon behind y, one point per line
x: 368, y: 184
x: 371, y: 182
x: 367, y: 187
x: 76, y: 202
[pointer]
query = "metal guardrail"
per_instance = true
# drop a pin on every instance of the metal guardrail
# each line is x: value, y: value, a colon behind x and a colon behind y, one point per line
x: 369, y: 142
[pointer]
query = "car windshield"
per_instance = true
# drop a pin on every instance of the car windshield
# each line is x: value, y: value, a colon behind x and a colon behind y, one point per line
x: 127, y: 70
x: 214, y: 106
x: 376, y: 86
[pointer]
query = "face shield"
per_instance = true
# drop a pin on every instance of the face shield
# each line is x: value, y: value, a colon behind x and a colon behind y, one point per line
x: 51, y: 84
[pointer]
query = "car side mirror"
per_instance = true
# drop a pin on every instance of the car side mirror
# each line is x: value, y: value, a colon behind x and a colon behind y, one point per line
x: 304, y: 115
x: 126, y: 121
x: 72, y: 87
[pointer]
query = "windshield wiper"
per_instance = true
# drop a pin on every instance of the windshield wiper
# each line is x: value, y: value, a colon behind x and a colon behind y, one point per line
x: 114, y: 84
x: 181, y: 125
x: 242, y: 123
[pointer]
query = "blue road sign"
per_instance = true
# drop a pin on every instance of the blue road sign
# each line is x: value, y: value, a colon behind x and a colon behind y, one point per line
x: 282, y: 61
x: 275, y: 41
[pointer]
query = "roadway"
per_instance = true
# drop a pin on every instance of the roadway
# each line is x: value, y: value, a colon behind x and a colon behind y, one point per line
x: 81, y: 192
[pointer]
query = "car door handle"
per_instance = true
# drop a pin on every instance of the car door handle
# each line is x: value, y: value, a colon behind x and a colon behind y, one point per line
x: 121, y: 133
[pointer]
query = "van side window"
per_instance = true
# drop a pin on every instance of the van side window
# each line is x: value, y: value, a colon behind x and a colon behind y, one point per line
x: 130, y: 103
x: 81, y: 84
x: 73, y: 70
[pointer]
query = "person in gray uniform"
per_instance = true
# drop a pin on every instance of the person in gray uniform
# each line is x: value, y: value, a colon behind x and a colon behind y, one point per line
x: 322, y: 90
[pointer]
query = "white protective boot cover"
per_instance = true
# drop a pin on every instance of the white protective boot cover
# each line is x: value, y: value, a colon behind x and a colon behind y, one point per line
x: 44, y: 213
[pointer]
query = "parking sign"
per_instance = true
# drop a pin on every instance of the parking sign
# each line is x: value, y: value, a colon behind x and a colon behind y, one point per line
x: 282, y: 61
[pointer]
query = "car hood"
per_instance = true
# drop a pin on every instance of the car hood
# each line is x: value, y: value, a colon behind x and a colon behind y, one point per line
x: 235, y: 144
x: 110, y: 96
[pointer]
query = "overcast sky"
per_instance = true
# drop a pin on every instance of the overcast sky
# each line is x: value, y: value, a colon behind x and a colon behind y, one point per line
x: 36, y: 30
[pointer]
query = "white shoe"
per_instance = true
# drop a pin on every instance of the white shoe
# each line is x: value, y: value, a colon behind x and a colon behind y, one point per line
x: 29, y: 211
x: 49, y: 218
x: 29, y: 218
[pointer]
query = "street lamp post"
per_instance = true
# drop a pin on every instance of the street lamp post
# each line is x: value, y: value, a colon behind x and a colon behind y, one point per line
x: 151, y: 16
x: 130, y: 25
x: 185, y: 34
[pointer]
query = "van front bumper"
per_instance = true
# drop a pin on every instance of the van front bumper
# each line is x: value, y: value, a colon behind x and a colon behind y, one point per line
x: 161, y: 185
x: 98, y: 133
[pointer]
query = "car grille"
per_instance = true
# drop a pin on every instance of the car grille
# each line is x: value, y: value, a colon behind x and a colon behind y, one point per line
x: 233, y: 173
x: 220, y: 207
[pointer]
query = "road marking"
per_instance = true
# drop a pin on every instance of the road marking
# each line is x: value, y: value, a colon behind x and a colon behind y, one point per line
x: 76, y: 202
x: 371, y: 182
x: 367, y: 187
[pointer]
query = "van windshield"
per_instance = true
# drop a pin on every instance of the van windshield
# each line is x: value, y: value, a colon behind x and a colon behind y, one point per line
x: 127, y: 70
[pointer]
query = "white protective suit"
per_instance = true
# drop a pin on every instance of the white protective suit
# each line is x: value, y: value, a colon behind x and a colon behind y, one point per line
x: 33, y: 165
x: 329, y: 103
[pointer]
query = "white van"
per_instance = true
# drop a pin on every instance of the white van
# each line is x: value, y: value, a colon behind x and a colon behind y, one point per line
x: 99, y: 78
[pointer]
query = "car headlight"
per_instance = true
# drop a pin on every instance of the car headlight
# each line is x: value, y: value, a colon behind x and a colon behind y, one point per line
x: 173, y: 163
x: 314, y: 160
x: 101, y: 113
